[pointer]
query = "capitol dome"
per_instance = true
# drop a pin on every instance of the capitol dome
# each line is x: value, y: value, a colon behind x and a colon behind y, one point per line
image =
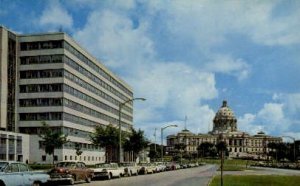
x: 224, y: 121
x: 225, y: 112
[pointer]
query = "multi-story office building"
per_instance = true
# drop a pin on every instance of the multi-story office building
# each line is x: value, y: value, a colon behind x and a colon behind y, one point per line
x: 49, y: 77
x: 239, y: 143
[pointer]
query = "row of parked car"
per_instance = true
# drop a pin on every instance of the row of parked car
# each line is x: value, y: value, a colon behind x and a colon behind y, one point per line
x: 17, y: 173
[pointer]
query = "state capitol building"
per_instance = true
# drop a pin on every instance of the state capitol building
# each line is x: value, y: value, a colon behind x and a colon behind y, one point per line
x: 239, y: 144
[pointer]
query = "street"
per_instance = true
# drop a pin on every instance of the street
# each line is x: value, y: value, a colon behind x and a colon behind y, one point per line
x: 192, y: 177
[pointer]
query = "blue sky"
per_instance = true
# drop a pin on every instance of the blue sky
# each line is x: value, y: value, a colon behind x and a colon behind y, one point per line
x: 185, y: 57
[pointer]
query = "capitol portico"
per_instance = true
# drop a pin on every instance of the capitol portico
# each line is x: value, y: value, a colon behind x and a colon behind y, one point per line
x: 239, y: 144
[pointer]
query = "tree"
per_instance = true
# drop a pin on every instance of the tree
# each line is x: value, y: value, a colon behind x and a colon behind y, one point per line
x: 180, y: 147
x: 205, y: 148
x: 52, y: 139
x: 135, y: 142
x: 107, y: 137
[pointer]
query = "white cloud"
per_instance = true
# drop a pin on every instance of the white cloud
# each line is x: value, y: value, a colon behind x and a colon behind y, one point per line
x: 272, y: 112
x: 55, y: 16
x: 291, y: 102
x: 226, y: 64
x: 115, y: 40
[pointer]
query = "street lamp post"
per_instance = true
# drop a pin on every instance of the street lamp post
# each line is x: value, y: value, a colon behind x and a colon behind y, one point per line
x: 120, y: 125
x: 162, y: 136
x: 294, y: 145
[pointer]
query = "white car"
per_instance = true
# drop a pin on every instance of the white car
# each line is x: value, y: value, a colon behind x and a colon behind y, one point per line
x: 108, y: 171
x: 17, y: 173
x: 130, y: 169
x: 160, y: 166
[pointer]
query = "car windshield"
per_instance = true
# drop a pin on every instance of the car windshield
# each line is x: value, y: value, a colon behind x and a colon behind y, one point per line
x: 66, y: 164
x: 102, y: 165
x: 2, y: 166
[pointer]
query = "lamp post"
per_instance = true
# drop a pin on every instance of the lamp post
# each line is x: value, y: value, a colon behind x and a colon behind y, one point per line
x: 120, y: 113
x: 294, y: 145
x: 162, y: 136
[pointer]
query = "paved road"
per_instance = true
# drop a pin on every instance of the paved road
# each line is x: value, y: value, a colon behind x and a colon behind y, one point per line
x: 185, y: 177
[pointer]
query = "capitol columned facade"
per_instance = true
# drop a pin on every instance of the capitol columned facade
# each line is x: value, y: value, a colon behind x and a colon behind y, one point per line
x: 240, y: 144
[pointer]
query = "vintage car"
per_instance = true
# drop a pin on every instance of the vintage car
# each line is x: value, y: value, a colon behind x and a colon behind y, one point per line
x: 70, y: 171
x: 160, y: 166
x: 108, y: 171
x: 130, y: 169
x: 17, y: 174
x: 147, y: 168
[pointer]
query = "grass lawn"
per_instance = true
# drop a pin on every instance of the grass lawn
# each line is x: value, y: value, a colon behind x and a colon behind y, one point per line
x: 254, y: 180
x: 231, y: 165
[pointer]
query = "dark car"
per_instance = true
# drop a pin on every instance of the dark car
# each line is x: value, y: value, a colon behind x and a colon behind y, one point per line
x: 70, y: 171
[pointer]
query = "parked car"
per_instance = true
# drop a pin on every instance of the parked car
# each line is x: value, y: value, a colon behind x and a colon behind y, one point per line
x: 171, y: 166
x: 130, y: 169
x: 147, y: 168
x: 71, y: 171
x: 108, y: 171
x: 160, y: 166
x: 17, y: 173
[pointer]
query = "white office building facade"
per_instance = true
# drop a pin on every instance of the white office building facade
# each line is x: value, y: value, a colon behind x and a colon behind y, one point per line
x: 50, y: 78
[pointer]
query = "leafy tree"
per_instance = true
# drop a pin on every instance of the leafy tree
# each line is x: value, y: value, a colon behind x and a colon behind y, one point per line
x: 52, y: 139
x: 154, y: 154
x: 107, y: 137
x: 135, y: 142
x: 180, y: 147
x: 205, y: 148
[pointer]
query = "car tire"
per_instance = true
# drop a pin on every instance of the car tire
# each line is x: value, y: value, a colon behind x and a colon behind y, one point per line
x: 36, y: 183
x: 72, y: 181
x: 109, y: 176
x: 88, y: 179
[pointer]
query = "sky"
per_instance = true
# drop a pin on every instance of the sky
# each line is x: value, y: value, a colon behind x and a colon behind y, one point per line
x: 186, y: 57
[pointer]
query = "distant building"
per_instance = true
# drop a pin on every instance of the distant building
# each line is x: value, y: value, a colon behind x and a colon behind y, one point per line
x: 49, y: 77
x: 239, y: 144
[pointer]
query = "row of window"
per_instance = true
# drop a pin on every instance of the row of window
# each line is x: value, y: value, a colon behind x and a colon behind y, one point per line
x: 57, y: 87
x: 75, y: 106
x: 29, y: 60
x: 91, y: 64
x: 79, y: 158
x: 41, y: 45
x: 43, y: 116
x: 94, y: 78
x: 82, y: 121
x: 34, y: 74
x: 76, y: 132
x: 38, y: 102
x: 79, y: 120
x: 85, y: 158
x: 93, y: 101
x: 93, y: 89
x: 82, y: 146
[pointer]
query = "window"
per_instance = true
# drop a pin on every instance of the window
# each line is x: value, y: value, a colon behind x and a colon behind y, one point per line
x: 43, y: 158
x: 55, y: 158
x: 23, y: 167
